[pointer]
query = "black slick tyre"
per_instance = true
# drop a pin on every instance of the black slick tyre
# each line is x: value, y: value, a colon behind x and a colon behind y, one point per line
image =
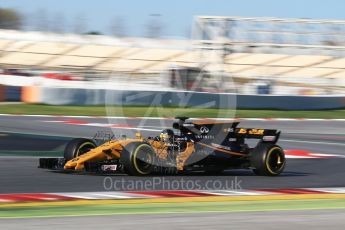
x: 267, y: 159
x: 138, y: 159
x: 77, y: 147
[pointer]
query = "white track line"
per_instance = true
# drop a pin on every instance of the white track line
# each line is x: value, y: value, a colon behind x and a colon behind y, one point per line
x: 234, y: 193
x: 137, y: 128
x: 330, y: 190
x: 113, y: 126
x: 312, y: 142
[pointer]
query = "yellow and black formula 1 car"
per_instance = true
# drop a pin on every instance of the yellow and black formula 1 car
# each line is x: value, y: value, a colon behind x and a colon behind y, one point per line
x: 195, y: 146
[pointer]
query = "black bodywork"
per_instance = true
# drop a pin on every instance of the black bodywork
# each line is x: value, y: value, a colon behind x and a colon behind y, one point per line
x: 220, y: 144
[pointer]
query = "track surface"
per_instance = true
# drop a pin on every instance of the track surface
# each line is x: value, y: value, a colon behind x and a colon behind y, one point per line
x: 20, y: 174
x: 315, y: 220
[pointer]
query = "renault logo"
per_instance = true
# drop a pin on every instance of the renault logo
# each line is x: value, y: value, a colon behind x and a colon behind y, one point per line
x: 204, y: 129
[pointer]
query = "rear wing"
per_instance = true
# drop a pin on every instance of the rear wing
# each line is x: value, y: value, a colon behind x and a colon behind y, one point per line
x: 266, y: 135
x: 207, y: 129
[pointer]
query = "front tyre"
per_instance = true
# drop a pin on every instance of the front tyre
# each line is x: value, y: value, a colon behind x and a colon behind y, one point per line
x: 77, y: 147
x: 138, y: 159
x: 267, y: 159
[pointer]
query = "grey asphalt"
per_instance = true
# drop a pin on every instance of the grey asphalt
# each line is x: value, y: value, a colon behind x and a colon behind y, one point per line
x: 283, y: 220
x: 18, y: 175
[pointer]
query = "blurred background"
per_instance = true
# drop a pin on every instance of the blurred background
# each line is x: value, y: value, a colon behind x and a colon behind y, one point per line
x: 251, y: 60
x: 50, y: 45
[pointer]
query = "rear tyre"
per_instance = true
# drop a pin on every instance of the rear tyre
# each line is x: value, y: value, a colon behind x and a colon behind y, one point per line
x: 138, y: 159
x: 77, y: 147
x: 267, y: 159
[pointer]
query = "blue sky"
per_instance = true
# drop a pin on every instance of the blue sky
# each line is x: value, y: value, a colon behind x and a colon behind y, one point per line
x: 176, y: 15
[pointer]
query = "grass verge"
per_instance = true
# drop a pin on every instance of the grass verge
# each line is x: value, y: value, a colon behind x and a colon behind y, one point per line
x: 164, y: 111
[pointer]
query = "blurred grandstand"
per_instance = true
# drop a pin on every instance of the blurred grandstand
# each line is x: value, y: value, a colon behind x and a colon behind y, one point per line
x: 261, y: 55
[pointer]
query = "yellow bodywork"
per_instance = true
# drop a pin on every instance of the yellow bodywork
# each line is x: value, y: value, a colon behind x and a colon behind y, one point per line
x: 107, y: 151
x: 112, y: 150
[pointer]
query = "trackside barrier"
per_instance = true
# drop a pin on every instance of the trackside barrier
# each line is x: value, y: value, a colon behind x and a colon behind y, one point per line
x: 74, y: 96
x: 10, y: 93
x: 13, y: 93
x: 31, y: 94
x: 2, y: 93
x: 290, y: 102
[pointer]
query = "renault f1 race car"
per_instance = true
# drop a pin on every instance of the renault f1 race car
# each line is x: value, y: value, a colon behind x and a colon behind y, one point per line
x: 211, y: 147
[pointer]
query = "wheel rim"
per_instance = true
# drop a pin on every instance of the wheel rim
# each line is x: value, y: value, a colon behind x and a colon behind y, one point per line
x: 143, y: 160
x: 275, y: 160
x: 84, y: 148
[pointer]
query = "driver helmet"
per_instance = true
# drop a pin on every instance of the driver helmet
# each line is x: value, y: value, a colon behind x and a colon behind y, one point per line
x: 167, y: 135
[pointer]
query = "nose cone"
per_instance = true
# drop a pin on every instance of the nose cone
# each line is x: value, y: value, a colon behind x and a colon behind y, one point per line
x: 71, y: 164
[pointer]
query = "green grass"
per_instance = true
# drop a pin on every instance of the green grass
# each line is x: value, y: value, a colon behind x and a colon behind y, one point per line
x: 164, y: 111
x: 159, y: 208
